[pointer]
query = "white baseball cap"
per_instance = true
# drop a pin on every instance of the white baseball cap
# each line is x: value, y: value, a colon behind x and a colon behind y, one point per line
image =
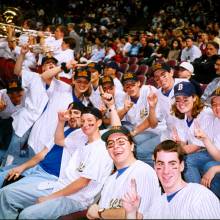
x: 188, y: 66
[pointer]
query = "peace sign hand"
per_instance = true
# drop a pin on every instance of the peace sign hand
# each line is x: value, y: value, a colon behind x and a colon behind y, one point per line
x: 152, y: 98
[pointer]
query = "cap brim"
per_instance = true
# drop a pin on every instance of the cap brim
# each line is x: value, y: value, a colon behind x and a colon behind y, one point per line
x: 113, y: 131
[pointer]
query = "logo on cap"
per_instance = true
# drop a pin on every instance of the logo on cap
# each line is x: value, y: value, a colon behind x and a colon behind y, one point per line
x: 82, y: 74
x: 12, y: 85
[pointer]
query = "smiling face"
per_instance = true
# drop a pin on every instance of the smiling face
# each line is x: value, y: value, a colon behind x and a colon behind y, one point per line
x: 81, y: 85
x: 168, y: 168
x: 216, y: 106
x: 75, y: 118
x: 89, y: 124
x: 132, y: 88
x: 164, y: 79
x: 50, y: 64
x: 185, y: 104
x: 120, y: 149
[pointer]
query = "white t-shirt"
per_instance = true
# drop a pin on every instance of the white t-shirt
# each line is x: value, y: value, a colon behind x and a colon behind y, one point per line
x: 65, y: 56
x: 192, y: 202
x: 140, y: 109
x: 118, y: 85
x: 91, y: 161
x: 60, y: 96
x: 36, y: 99
x: 211, y: 125
x: 187, y: 134
x: 165, y: 103
x: 116, y: 187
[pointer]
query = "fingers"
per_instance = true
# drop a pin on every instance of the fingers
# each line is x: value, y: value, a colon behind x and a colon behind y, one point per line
x: 101, y: 90
x: 133, y: 186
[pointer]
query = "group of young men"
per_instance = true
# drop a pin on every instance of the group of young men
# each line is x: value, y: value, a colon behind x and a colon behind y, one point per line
x: 66, y: 159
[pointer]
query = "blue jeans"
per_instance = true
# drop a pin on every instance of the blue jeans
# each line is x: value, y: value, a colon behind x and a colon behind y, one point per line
x: 145, y: 144
x: 194, y: 165
x: 215, y: 184
x: 23, y: 193
x: 15, y: 147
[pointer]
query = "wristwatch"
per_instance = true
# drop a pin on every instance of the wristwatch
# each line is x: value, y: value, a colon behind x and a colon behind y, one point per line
x: 100, y: 211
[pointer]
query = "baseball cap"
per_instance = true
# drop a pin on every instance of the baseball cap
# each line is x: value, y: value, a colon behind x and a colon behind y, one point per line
x: 112, y: 64
x: 115, y: 129
x: 129, y: 76
x: 49, y: 58
x: 188, y: 66
x: 184, y: 89
x: 14, y: 85
x: 93, y: 111
x: 84, y: 73
x: 76, y: 105
x: 106, y: 79
x: 94, y: 66
x: 161, y: 66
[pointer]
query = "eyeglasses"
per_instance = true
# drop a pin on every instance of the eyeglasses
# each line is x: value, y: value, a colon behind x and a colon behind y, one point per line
x: 119, y: 141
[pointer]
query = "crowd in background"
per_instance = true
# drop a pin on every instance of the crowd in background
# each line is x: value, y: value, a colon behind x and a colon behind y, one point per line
x: 90, y: 62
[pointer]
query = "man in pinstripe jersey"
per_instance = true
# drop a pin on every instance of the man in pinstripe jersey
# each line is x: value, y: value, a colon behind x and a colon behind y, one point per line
x: 181, y: 200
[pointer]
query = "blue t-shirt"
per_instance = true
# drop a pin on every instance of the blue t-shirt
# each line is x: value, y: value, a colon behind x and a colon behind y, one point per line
x: 52, y: 161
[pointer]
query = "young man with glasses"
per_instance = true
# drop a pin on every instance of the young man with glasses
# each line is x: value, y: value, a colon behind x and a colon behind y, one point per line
x: 121, y: 148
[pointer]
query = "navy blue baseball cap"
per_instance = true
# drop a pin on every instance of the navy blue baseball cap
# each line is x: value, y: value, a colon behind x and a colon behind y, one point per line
x: 184, y: 89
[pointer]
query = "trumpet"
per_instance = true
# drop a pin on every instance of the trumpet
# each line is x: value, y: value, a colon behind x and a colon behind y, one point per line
x: 43, y: 49
x: 18, y: 29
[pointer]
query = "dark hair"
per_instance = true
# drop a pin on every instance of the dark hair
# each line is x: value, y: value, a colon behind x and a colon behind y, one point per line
x: 214, y: 44
x: 94, y: 111
x: 197, y: 108
x: 169, y: 146
x: 71, y: 41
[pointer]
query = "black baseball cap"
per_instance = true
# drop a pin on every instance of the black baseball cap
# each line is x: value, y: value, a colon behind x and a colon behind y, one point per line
x: 129, y: 76
x: 94, y: 66
x: 14, y: 85
x: 83, y: 73
x: 161, y: 66
x: 115, y: 129
x: 106, y: 79
x: 49, y: 58
x: 76, y: 105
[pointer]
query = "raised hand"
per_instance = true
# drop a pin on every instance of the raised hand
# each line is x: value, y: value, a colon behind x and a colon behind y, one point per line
x: 24, y: 49
x: 131, y: 200
x: 152, y: 98
x: 107, y: 98
x: 128, y: 103
x: 64, y: 116
x: 2, y: 105
x: 198, y: 132
x: 174, y: 135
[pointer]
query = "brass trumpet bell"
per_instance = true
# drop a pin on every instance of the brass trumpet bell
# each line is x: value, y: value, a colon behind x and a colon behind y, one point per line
x: 11, y: 15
